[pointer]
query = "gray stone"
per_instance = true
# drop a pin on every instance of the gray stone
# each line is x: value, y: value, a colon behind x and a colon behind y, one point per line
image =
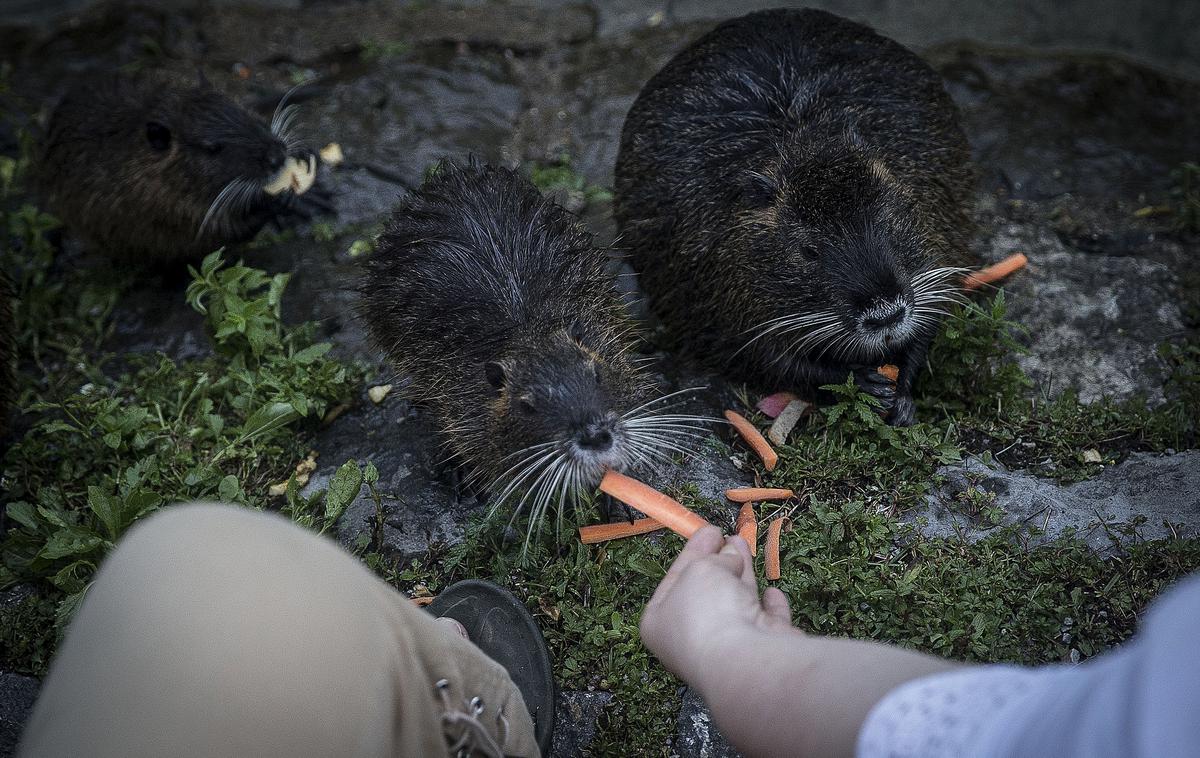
x: 696, y: 735
x: 418, y: 507
x: 1164, y: 489
x: 1094, y: 322
x: 17, y: 694
x: 575, y: 716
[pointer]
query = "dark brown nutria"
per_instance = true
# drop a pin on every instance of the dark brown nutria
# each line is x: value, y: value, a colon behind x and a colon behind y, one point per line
x: 151, y: 168
x: 496, y: 303
x: 792, y: 188
x: 7, y: 356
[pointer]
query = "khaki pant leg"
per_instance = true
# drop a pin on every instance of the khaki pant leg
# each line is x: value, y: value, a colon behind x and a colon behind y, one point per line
x: 217, y: 631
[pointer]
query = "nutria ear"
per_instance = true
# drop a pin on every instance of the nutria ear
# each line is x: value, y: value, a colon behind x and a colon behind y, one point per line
x: 758, y: 190
x: 158, y: 135
x: 578, y: 331
x: 495, y: 374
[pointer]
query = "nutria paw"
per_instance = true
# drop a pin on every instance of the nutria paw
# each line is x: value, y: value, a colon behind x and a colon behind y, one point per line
x: 904, y: 411
x: 876, y: 385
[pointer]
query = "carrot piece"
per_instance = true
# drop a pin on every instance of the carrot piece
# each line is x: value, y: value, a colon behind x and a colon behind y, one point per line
x: 890, y: 371
x: 747, y: 527
x: 590, y: 535
x: 749, y: 494
x: 670, y: 513
x: 422, y: 601
x: 994, y: 272
x: 754, y: 439
x: 772, y: 547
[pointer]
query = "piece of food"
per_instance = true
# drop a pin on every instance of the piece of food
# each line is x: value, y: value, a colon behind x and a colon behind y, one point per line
x: 890, y: 371
x: 754, y: 439
x: 772, y: 547
x: 773, y: 405
x: 590, y: 535
x: 787, y: 420
x: 379, y: 392
x: 994, y: 272
x: 422, y: 601
x: 331, y: 154
x: 667, y: 511
x: 754, y: 494
x: 747, y: 527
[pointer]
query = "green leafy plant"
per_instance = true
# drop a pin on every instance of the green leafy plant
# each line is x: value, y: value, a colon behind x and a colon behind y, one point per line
x: 561, y: 177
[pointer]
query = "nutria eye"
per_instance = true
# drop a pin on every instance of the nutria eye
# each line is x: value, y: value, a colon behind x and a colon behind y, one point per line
x: 158, y: 135
x: 526, y: 407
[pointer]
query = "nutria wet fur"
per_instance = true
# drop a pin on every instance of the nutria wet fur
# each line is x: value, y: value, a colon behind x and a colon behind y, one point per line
x: 151, y: 168
x: 497, y: 305
x: 792, y: 189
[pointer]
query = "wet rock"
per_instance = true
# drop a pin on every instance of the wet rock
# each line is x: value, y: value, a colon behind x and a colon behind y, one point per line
x: 17, y: 694
x: 575, y: 717
x: 1094, y: 321
x: 697, y: 736
x: 1160, y: 488
x: 417, y: 507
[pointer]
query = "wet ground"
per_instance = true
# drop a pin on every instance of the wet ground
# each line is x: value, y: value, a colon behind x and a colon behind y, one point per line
x: 1069, y: 148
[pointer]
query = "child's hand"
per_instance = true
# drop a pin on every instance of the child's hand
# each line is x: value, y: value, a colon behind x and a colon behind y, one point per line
x: 707, y: 604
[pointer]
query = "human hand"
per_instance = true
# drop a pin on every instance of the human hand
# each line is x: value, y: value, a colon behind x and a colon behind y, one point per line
x: 707, y: 605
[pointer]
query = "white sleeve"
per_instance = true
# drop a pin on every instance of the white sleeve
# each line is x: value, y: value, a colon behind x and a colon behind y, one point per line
x: 1139, y: 701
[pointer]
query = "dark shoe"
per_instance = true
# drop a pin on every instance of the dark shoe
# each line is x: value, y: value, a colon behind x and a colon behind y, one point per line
x: 500, y: 625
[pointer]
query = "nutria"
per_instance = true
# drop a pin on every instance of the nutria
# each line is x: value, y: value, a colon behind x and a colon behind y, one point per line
x: 496, y: 304
x: 792, y: 190
x: 152, y: 168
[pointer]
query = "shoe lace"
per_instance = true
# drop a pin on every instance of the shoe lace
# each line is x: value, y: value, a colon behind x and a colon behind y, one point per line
x: 472, y: 736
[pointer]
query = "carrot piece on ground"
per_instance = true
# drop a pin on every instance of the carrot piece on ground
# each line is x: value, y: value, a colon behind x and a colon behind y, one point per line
x: 994, y: 272
x: 670, y: 513
x: 422, y: 601
x: 754, y: 439
x: 772, y: 547
x: 890, y: 371
x: 751, y: 494
x: 773, y: 405
x: 590, y: 535
x: 747, y: 527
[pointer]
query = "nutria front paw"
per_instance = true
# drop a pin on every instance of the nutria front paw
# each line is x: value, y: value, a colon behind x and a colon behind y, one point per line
x: 876, y: 385
x: 904, y: 411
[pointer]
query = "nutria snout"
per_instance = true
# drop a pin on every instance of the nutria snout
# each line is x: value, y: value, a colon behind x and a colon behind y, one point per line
x: 792, y: 189
x: 154, y: 168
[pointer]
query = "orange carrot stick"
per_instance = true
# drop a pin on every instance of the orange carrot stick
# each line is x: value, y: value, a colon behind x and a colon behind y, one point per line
x: 772, y: 547
x: 590, y: 535
x: 653, y: 503
x: 890, y: 371
x: 422, y: 601
x: 994, y: 272
x: 754, y: 439
x: 748, y: 494
x: 747, y: 527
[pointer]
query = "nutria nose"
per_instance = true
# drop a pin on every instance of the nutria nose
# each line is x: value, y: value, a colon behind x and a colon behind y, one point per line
x: 275, y: 159
x: 598, y: 439
x: 882, y: 321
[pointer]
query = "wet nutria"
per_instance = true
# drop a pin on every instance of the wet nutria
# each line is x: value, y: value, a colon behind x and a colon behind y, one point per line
x: 792, y: 189
x: 498, y: 306
x: 151, y: 168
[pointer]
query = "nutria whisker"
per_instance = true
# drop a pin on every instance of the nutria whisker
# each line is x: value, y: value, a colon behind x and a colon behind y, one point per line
x: 233, y: 198
x: 631, y: 413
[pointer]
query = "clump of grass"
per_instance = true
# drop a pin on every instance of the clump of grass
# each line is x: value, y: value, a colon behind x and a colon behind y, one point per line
x: 373, y: 51
x: 560, y: 178
x: 100, y: 457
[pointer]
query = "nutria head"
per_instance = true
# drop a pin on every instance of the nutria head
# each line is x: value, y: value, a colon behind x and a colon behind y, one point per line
x: 859, y: 280
x: 158, y: 167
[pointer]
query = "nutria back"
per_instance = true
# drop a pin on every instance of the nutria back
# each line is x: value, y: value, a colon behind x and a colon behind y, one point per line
x: 792, y: 190
x: 497, y: 305
x: 151, y: 167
